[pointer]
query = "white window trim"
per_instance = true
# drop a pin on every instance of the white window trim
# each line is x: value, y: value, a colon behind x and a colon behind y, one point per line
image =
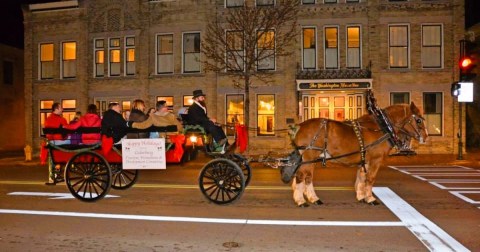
x: 95, y: 55
x: 183, y: 53
x: 315, y: 2
x: 325, y: 48
x: 274, y: 3
x: 39, y: 58
x: 442, y: 48
x: 173, y: 53
x: 274, y: 113
x: 409, y: 63
x: 360, y: 44
x: 108, y: 51
x: 225, y: 4
x: 443, y: 109
x: 316, y: 46
x: 225, y: 102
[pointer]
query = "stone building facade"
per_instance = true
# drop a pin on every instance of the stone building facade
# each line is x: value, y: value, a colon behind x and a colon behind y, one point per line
x: 99, y: 51
x: 12, y: 97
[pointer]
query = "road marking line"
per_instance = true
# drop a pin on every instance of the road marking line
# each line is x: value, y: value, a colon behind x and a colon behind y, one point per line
x: 461, y: 195
x: 209, y: 220
x: 432, y: 236
x: 178, y: 186
x: 439, y: 185
x: 55, y: 195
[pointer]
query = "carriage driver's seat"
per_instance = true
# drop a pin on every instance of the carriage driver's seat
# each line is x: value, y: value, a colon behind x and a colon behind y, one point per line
x: 195, y: 129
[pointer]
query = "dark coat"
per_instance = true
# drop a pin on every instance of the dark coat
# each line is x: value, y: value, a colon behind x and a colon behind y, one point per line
x: 196, y: 115
x: 137, y: 116
x: 114, y: 125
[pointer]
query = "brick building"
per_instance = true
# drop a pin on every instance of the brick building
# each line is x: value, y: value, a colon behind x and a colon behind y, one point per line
x: 99, y: 51
x: 12, y: 97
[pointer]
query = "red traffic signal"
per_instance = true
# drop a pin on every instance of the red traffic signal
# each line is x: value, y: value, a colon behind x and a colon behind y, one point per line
x: 465, y: 63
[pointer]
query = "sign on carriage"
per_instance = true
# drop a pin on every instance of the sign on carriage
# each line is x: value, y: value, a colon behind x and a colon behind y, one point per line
x: 143, y: 153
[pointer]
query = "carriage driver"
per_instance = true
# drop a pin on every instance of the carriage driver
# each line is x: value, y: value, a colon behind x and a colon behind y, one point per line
x: 197, y: 114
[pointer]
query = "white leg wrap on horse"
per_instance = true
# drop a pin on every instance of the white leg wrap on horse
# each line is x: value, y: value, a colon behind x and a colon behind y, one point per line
x: 360, y: 184
x: 310, y: 193
x: 298, y: 190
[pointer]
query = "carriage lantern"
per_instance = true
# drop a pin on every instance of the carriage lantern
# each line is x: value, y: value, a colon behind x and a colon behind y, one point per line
x: 193, y: 140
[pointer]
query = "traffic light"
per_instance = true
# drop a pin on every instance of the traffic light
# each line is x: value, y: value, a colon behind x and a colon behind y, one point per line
x: 455, y: 89
x: 466, y: 69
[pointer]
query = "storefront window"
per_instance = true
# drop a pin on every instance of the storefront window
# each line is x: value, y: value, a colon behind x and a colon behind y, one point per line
x: 235, y: 112
x: 266, y: 115
x: 169, y: 101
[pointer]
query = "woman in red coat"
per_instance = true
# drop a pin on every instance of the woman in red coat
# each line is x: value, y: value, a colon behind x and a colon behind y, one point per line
x: 90, y: 119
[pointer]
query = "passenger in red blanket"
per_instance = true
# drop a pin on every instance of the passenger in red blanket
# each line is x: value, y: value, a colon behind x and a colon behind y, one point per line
x: 90, y: 119
x: 56, y: 120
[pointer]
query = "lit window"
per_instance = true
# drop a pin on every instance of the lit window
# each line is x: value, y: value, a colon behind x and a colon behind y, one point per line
x: 309, y: 48
x: 265, y: 50
x: 191, y: 52
x: 266, y: 115
x: 99, y: 58
x: 165, y: 54
x: 398, y: 46
x: 114, y: 57
x: 432, y: 46
x: 46, y: 61
x: 130, y: 55
x: 69, y: 56
x: 187, y: 100
x: 235, y: 51
x: 331, y: 48
x: 45, y: 110
x: 69, y: 109
x: 168, y: 100
x: 353, y: 47
x: 433, y: 109
x: 235, y: 112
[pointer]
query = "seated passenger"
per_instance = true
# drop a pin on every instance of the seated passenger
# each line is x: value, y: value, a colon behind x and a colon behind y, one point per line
x: 197, y: 114
x: 56, y: 120
x: 137, y: 114
x: 113, y: 123
x: 162, y: 117
x: 90, y: 119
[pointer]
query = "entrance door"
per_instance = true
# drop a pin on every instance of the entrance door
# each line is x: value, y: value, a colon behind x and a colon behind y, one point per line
x: 335, y: 106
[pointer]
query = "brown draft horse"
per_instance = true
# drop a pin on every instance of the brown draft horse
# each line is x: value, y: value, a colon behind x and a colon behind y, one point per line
x: 322, y: 139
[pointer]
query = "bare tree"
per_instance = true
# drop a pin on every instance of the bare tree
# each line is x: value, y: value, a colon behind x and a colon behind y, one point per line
x: 244, y: 42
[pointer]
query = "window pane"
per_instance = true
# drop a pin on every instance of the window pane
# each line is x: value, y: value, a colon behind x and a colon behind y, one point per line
x: 115, y: 42
x: 265, y: 2
x: 115, y: 56
x: 46, y: 52
x: 432, y: 104
x: 309, y: 48
x: 353, y: 47
x: 235, y: 112
x: 398, y: 98
x: 69, y: 104
x: 69, y: 51
x: 431, y: 46
x: 308, y: 1
x: 46, y: 104
x: 130, y: 41
x: 331, y: 47
x: 266, y: 114
x: 187, y: 100
x: 191, y: 50
x: 165, y: 44
x: 235, y: 3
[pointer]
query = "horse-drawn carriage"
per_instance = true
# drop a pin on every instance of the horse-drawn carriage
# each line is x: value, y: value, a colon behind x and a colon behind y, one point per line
x: 89, y: 171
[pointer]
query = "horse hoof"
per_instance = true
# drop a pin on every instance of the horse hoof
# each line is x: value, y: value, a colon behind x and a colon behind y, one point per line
x: 373, y: 203
x: 303, y: 205
x: 362, y: 201
x: 318, y: 203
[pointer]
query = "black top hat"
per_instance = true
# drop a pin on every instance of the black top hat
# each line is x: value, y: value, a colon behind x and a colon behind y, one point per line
x: 197, y: 93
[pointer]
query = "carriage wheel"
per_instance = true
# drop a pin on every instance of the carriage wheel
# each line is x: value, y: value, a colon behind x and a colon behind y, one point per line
x: 242, y: 162
x: 123, y: 179
x: 221, y: 181
x: 88, y: 176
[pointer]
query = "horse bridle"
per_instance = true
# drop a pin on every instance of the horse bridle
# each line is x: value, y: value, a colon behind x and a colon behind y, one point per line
x: 416, y: 129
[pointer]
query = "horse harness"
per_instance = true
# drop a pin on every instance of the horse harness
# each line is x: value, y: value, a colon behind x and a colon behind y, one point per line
x: 325, y: 156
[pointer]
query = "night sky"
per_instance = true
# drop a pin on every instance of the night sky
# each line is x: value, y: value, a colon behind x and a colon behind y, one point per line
x: 11, y: 30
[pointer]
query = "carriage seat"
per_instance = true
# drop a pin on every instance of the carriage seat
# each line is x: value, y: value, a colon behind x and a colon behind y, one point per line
x: 189, y: 127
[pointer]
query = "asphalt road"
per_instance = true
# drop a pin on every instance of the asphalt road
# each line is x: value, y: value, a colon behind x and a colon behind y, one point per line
x: 165, y: 211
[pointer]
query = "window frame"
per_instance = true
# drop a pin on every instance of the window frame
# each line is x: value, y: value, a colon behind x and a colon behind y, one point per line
x: 184, y: 71
x: 325, y: 47
x: 315, y: 48
x: 236, y: 53
x: 268, y: 4
x: 408, y: 95
x: 347, y: 48
x: 64, y: 61
x: 426, y: 115
x: 126, y: 50
x: 110, y: 50
x: 258, y: 114
x: 441, y: 46
x: 95, y: 59
x: 390, y: 47
x: 308, y: 3
x: 229, y: 131
x: 274, y: 50
x: 234, y: 6
x: 159, y: 54
x: 41, y: 62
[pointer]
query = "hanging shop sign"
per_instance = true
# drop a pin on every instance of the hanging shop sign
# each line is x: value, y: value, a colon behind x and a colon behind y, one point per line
x: 334, y: 85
